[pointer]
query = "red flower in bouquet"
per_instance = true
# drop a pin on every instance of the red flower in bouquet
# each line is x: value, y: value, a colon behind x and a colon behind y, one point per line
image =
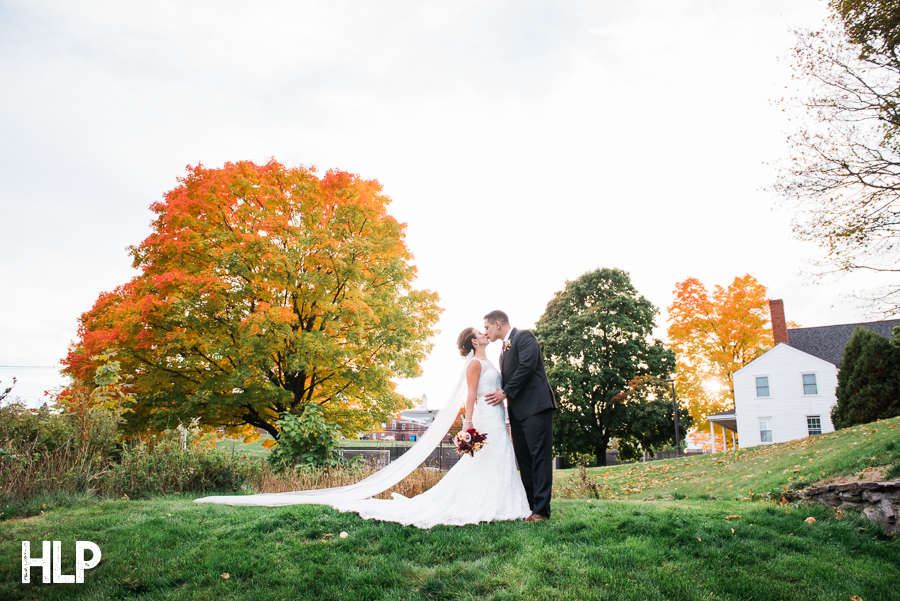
x: 469, y: 441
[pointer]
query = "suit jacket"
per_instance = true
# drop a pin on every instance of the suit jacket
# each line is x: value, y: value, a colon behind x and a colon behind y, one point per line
x: 523, y: 377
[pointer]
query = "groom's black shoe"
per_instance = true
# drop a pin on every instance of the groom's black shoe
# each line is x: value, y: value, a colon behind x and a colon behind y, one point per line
x: 535, y: 518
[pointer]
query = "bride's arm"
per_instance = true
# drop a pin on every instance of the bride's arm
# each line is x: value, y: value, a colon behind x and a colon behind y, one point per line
x: 473, y: 373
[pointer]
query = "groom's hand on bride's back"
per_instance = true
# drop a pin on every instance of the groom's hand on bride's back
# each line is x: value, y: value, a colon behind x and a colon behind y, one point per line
x: 494, y: 398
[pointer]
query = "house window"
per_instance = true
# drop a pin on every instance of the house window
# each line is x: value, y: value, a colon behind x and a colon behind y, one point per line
x: 762, y: 386
x: 403, y: 437
x: 809, y: 384
x: 765, y: 429
x: 814, y: 424
x: 402, y: 426
x: 393, y: 424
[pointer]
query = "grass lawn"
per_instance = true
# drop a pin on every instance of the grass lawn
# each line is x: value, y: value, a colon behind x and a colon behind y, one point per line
x: 254, y: 449
x: 658, y: 531
x: 170, y: 548
x: 752, y: 472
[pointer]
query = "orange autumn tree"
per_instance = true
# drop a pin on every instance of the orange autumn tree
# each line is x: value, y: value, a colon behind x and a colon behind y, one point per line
x: 264, y: 290
x: 713, y: 336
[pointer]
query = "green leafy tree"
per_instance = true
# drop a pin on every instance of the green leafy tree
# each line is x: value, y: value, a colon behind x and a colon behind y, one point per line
x: 868, y: 380
x: 649, y: 426
x: 595, y: 337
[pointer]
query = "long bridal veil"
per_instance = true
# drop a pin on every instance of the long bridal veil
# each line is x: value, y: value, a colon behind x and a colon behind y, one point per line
x: 378, y: 482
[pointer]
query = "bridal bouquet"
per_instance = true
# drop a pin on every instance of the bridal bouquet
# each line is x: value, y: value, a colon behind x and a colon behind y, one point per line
x: 469, y: 441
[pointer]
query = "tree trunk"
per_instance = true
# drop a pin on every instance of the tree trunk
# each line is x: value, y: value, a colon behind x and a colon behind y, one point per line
x: 252, y: 418
x: 600, y: 452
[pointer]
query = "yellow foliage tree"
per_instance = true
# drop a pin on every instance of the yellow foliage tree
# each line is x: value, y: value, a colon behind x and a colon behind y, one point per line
x: 713, y: 336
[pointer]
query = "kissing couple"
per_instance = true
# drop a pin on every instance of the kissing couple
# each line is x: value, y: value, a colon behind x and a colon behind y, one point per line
x: 486, y: 486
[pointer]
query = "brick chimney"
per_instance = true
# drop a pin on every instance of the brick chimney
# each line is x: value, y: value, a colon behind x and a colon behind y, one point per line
x: 779, y: 326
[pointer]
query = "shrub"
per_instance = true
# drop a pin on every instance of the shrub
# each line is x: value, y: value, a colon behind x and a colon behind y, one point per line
x: 868, y: 380
x: 586, y: 487
x: 4, y: 393
x: 305, y: 439
x: 39, y: 428
x: 171, y: 463
x: 78, y: 453
x: 43, y: 452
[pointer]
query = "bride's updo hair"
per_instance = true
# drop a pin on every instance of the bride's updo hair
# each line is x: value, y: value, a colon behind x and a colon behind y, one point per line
x: 464, y: 342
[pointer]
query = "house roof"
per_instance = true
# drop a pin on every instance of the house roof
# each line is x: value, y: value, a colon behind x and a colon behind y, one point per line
x: 827, y: 342
x: 780, y: 347
x: 722, y: 414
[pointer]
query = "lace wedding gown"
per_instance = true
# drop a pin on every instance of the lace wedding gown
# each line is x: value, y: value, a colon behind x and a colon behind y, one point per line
x: 482, y: 488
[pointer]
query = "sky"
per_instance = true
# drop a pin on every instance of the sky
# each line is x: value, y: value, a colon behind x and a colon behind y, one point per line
x: 523, y: 144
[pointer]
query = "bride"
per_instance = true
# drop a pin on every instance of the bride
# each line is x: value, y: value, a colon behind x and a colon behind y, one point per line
x: 482, y: 488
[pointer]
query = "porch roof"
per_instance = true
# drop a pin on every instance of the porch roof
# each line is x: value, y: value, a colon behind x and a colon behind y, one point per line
x: 726, y: 419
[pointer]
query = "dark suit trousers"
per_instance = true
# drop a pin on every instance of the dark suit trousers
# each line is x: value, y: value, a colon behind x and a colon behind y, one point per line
x: 533, y: 444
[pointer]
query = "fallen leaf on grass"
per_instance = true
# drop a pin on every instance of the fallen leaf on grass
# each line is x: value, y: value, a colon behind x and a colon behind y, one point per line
x: 810, y: 520
x: 344, y: 535
x: 732, y: 530
x: 732, y: 517
x: 855, y: 598
x: 226, y: 575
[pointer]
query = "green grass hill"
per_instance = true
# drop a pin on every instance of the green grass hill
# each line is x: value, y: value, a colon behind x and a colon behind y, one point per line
x: 867, y: 452
x: 689, y: 529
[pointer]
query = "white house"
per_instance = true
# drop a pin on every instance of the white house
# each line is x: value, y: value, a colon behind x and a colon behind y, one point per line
x: 783, y: 395
x: 788, y: 392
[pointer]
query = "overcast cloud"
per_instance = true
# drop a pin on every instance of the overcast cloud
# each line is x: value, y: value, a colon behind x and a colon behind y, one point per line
x: 523, y: 143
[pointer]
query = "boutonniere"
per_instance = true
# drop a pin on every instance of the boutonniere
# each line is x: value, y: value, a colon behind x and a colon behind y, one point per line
x: 506, y: 345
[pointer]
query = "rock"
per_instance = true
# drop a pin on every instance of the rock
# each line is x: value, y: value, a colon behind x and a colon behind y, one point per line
x: 878, y: 501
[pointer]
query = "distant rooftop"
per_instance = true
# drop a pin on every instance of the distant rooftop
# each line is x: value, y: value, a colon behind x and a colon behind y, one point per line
x: 828, y: 342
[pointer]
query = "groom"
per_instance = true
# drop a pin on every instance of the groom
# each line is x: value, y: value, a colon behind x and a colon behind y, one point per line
x: 531, y: 406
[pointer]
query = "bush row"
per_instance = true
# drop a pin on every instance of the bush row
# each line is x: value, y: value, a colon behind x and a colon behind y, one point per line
x: 52, y: 459
x: 74, y: 455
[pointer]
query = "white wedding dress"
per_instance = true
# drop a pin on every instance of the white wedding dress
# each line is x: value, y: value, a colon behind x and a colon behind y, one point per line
x: 482, y: 488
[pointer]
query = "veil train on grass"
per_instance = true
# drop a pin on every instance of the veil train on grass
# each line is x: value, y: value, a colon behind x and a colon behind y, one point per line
x: 378, y: 482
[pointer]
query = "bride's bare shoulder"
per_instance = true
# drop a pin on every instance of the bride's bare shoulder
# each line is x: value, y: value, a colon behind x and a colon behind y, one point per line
x: 473, y: 374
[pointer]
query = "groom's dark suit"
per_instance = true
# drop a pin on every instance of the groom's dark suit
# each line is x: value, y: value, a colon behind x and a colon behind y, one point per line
x: 531, y: 405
